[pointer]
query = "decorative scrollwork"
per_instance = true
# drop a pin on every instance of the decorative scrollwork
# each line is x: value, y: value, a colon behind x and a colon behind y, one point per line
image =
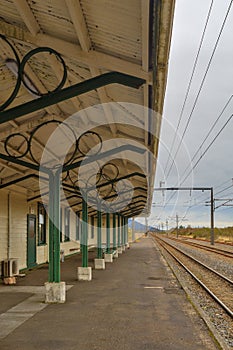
x: 109, y: 168
x: 27, y: 58
x: 18, y: 68
x: 65, y: 150
x: 89, y: 143
x: 100, y: 186
x: 18, y: 81
x: 14, y: 143
x: 41, y: 132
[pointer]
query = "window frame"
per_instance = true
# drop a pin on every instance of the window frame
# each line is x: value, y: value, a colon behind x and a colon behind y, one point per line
x: 78, y: 226
x: 67, y: 225
x: 41, y: 231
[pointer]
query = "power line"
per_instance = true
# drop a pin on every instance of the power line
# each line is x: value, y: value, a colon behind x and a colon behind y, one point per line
x: 207, y: 149
x: 201, y: 85
x: 209, y: 132
x: 226, y: 188
x: 190, y: 82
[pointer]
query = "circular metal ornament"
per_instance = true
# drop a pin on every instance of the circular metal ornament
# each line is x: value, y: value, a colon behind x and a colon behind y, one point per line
x: 18, y: 81
x: 10, y: 139
x: 84, y: 139
x: 34, y: 52
x: 109, y: 170
x: 105, y: 188
x: 33, y: 134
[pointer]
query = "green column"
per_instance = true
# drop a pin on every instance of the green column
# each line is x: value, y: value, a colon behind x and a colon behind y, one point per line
x: 119, y: 231
x: 122, y: 230
x: 51, y: 227
x: 99, y: 234
x: 108, y: 233
x: 127, y: 230
x: 54, y: 226
x: 114, y: 231
x: 84, y: 232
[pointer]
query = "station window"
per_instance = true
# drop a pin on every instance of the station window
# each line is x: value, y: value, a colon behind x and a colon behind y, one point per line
x: 41, y: 224
x: 67, y: 224
x: 92, y: 226
x: 78, y: 226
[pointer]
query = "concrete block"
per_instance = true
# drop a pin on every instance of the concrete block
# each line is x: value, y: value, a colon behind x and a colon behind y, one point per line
x: 119, y: 250
x: 84, y: 273
x: 55, y: 293
x: 115, y: 256
x: 9, y: 280
x: 123, y: 248
x: 127, y: 245
x: 99, y: 264
x: 108, y: 258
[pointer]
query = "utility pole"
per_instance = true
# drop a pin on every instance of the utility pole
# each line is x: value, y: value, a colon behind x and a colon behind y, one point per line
x: 212, y: 217
x: 146, y: 222
x: 177, y: 227
x: 167, y: 226
x: 196, y: 189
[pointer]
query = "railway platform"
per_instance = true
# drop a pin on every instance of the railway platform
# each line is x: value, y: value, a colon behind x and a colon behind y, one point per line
x: 135, y: 304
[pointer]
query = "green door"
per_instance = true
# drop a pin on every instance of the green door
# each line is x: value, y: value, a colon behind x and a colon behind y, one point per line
x: 31, y: 240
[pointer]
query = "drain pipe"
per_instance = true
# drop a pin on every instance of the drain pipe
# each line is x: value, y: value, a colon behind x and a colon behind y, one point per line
x: 9, y: 224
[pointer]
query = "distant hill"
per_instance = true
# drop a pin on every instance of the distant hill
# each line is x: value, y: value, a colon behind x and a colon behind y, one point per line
x: 140, y: 227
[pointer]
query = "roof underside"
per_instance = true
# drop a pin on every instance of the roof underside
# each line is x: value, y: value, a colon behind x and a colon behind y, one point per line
x: 93, y: 37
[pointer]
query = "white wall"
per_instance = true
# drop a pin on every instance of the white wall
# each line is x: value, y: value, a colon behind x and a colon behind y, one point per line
x: 17, y: 230
x: 13, y: 227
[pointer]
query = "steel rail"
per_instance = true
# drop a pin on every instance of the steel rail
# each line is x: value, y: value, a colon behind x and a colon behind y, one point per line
x: 225, y: 307
x: 226, y: 253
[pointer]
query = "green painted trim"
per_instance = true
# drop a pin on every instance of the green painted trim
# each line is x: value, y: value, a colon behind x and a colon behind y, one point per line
x: 51, y: 228
x: 114, y: 231
x: 84, y: 233
x: 119, y: 231
x: 99, y: 234
x: 57, y: 273
x: 69, y: 92
x: 107, y: 233
x: 54, y: 227
x: 111, y: 152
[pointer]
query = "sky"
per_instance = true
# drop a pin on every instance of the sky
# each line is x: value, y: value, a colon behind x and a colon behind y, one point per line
x: 210, y: 91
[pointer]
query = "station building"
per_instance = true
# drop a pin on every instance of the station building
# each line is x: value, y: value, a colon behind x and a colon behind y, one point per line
x: 82, y: 87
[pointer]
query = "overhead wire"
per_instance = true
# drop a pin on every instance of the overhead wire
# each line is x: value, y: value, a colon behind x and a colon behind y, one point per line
x: 195, y: 102
x: 209, y: 132
x: 190, y: 82
x: 201, y: 85
x: 207, y: 149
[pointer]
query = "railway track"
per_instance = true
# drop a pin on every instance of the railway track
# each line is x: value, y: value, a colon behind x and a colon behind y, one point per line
x: 219, y: 251
x: 218, y: 286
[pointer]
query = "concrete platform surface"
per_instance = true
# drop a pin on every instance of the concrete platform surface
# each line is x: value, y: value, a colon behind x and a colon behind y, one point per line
x: 135, y: 304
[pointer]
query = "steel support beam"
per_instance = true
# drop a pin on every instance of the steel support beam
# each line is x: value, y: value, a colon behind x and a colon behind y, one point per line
x: 69, y: 92
x: 119, y: 230
x: 99, y: 234
x: 84, y: 233
x: 108, y: 232
x: 122, y: 230
x: 114, y: 231
x: 54, y: 226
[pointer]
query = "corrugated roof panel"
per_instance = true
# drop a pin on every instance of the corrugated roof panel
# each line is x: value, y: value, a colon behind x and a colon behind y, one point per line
x: 125, y: 94
x: 78, y: 71
x: 54, y: 19
x: 115, y: 26
x: 9, y: 14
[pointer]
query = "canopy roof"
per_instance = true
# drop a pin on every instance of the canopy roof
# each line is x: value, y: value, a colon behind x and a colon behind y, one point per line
x: 93, y: 37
